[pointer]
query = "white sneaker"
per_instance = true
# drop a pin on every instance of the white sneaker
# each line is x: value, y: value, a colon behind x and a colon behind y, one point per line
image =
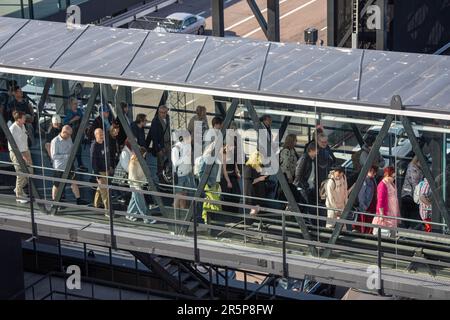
x: 149, y: 221
x: 131, y: 218
x: 22, y: 201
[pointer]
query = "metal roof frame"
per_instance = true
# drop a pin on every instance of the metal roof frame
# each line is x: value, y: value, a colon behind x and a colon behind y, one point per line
x: 340, y: 79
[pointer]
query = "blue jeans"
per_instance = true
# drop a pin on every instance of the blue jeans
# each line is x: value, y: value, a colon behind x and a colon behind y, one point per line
x: 186, y: 184
x: 137, y: 204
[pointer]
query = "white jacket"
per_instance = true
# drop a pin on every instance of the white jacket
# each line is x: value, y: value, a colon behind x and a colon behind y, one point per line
x: 124, y: 159
x: 337, y: 193
x: 181, y: 158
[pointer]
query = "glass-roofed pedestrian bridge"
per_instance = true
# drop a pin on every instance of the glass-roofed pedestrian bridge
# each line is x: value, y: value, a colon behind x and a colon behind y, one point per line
x: 294, y: 160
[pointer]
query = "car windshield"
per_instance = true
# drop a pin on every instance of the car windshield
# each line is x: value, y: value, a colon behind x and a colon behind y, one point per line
x: 38, y: 82
x: 172, y: 24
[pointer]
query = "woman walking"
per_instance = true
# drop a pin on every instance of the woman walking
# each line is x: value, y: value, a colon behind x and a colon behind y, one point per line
x: 387, y: 203
x: 137, y: 179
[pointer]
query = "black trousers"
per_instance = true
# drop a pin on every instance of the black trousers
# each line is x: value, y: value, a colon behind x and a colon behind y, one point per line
x: 410, y: 210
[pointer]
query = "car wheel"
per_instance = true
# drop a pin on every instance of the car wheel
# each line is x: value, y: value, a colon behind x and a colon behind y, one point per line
x: 201, y: 30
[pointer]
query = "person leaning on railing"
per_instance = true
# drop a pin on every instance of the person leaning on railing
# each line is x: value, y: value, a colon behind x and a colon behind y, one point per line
x: 20, y: 136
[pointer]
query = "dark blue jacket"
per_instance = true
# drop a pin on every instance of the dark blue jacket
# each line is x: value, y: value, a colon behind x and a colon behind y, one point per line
x: 100, y: 162
x: 139, y: 133
x: 365, y: 195
x: 157, y: 134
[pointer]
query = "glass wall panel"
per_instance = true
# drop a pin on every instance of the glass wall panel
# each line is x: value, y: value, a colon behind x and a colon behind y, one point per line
x: 320, y: 153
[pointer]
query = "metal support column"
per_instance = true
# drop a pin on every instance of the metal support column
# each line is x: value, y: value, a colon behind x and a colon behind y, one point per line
x: 218, y: 25
x: 359, y: 182
x: 259, y: 16
x: 164, y: 98
x: 355, y: 24
x: 348, y: 34
x: 358, y: 135
x: 77, y: 143
x: 135, y: 148
x: 436, y: 195
x: 283, y: 127
x: 220, y: 107
x: 282, y: 179
x: 201, y: 186
x: 331, y: 23
x: 381, y: 34
x: 273, y: 20
x: 44, y: 95
x: 31, y: 9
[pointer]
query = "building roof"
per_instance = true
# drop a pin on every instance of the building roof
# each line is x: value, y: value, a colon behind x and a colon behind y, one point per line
x: 233, y: 67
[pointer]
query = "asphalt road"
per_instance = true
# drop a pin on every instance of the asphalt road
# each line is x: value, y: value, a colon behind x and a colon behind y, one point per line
x: 295, y: 17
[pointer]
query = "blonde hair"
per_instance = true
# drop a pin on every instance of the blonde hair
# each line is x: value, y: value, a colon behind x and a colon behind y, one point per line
x: 290, y: 141
x: 255, y: 160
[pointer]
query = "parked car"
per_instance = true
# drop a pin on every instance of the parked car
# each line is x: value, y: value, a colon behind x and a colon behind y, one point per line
x: 396, y: 143
x: 182, y: 22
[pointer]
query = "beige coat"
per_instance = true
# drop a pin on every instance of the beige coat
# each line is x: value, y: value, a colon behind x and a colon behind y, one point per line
x: 136, y: 174
x: 337, y: 196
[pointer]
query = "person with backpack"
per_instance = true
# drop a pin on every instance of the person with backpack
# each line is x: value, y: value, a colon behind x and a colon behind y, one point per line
x: 387, y: 203
x: 182, y: 167
x: 367, y: 201
x: 425, y: 203
x: 409, y: 207
x: 336, y: 194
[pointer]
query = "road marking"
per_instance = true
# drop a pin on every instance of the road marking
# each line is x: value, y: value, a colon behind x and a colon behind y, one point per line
x: 200, y: 13
x: 282, y: 17
x: 248, y: 18
x: 324, y: 28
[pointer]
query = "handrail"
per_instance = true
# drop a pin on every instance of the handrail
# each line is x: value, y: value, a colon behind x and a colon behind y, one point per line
x: 442, y: 49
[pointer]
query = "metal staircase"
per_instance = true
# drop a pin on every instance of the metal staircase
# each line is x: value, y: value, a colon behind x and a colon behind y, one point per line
x: 179, y: 276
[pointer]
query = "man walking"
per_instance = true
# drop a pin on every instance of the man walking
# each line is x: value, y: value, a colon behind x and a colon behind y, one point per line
x: 20, y: 136
x: 60, y: 149
x: 100, y: 166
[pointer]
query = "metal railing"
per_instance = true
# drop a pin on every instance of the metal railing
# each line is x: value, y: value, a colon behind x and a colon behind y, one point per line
x: 284, y: 243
